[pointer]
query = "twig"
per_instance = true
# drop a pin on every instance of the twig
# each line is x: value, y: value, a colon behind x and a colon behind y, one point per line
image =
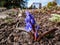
x: 45, y: 33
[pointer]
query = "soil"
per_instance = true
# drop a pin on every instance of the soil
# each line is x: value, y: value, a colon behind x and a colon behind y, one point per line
x: 9, y: 35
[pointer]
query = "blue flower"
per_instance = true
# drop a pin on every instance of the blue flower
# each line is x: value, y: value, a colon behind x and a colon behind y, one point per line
x: 29, y: 20
x: 37, y: 27
x: 28, y: 27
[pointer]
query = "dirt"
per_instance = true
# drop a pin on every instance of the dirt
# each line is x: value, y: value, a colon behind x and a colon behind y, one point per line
x: 9, y: 35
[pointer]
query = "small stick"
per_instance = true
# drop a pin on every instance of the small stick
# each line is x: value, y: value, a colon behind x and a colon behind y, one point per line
x: 45, y: 33
x: 33, y: 27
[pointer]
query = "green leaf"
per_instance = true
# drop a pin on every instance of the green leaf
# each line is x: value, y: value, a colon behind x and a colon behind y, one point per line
x: 55, y: 18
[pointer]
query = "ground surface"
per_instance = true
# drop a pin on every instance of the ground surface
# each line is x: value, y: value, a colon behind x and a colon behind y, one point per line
x: 9, y: 35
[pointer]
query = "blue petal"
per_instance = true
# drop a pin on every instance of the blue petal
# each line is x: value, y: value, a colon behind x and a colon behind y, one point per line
x: 28, y: 27
x: 29, y: 20
x: 27, y: 12
x: 36, y: 34
x: 37, y: 27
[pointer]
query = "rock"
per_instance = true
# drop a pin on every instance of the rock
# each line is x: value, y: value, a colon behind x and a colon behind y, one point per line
x: 3, y: 16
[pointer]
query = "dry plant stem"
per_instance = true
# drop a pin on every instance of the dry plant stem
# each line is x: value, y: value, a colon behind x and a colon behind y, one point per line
x: 45, y: 33
x: 34, y: 32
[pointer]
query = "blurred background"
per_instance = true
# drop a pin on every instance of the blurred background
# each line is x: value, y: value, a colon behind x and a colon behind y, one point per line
x: 26, y: 3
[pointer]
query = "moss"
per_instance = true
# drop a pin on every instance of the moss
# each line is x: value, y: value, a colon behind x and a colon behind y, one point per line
x: 49, y: 36
x: 55, y: 18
